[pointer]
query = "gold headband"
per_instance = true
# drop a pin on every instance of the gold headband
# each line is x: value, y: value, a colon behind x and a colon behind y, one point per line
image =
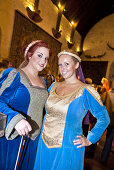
x: 69, y: 53
x: 30, y: 45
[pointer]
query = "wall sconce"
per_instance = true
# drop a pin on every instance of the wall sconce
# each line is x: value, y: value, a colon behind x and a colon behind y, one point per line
x: 34, y: 14
x: 56, y: 32
x: 73, y: 28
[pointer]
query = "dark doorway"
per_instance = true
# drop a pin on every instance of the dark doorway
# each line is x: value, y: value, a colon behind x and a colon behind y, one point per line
x: 94, y: 70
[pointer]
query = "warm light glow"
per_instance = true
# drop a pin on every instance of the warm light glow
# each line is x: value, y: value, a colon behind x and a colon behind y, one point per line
x: 68, y: 40
x: 31, y: 7
x: 59, y: 5
x: 78, y: 49
x: 72, y: 22
x: 85, y: 48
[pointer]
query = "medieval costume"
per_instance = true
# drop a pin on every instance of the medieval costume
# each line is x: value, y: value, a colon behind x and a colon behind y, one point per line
x: 19, y: 99
x: 63, y: 122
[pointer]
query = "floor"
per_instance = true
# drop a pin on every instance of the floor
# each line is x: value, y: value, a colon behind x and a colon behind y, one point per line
x: 93, y: 162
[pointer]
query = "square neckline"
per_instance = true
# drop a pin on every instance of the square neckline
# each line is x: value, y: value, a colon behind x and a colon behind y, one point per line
x: 25, y: 75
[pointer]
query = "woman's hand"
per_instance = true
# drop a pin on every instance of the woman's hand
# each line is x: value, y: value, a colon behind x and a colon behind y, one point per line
x: 23, y: 127
x: 81, y: 141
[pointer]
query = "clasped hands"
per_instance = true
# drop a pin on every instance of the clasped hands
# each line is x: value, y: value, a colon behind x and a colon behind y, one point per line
x: 81, y: 141
x: 23, y: 127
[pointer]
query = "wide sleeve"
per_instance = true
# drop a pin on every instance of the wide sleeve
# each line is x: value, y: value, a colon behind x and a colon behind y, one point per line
x: 9, y: 85
x: 93, y: 103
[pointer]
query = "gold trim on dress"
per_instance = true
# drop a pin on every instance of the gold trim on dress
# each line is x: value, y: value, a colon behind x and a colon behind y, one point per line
x: 95, y: 94
x: 54, y: 125
x: 77, y: 89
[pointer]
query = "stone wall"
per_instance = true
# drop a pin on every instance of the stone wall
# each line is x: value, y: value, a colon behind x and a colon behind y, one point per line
x: 95, y: 43
x: 99, y: 42
x: 48, y: 13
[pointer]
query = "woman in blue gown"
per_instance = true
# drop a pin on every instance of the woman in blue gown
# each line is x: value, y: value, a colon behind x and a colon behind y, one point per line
x: 62, y: 143
x: 22, y: 97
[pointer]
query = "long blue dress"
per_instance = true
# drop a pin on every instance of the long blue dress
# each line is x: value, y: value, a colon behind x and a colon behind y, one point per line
x: 20, y: 100
x: 63, y: 122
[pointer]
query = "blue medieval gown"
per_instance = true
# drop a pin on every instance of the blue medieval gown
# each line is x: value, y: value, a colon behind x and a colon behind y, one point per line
x: 20, y: 100
x: 63, y: 122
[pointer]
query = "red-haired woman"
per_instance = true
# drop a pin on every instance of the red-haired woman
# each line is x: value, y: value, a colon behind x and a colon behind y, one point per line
x: 22, y: 97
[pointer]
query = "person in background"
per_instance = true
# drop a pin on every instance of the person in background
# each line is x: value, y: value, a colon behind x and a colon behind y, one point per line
x: 111, y: 73
x: 62, y: 143
x: 88, y: 81
x: 22, y: 97
x: 99, y: 89
x: 110, y: 129
x: 105, y: 83
x: 103, y: 94
x: 50, y: 78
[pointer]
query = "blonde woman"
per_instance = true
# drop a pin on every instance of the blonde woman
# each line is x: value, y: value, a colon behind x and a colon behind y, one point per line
x: 62, y: 143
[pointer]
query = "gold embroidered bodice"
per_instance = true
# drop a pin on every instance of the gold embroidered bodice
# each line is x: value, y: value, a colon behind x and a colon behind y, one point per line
x: 54, y: 124
x: 57, y: 107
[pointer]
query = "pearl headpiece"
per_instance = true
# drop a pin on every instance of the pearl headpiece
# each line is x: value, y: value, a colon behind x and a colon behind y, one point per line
x: 30, y: 45
x: 69, y: 53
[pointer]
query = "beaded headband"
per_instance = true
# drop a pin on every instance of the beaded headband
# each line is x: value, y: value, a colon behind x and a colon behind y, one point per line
x: 30, y: 45
x: 69, y: 53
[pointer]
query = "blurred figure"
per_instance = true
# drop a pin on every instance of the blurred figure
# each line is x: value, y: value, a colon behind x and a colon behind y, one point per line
x: 50, y: 79
x: 111, y: 74
x: 88, y: 81
x: 103, y: 95
x: 5, y: 64
x: 110, y: 129
x: 99, y: 89
x: 105, y: 83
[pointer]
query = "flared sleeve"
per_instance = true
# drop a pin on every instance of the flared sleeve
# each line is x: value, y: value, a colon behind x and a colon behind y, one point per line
x: 9, y: 83
x: 93, y: 103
